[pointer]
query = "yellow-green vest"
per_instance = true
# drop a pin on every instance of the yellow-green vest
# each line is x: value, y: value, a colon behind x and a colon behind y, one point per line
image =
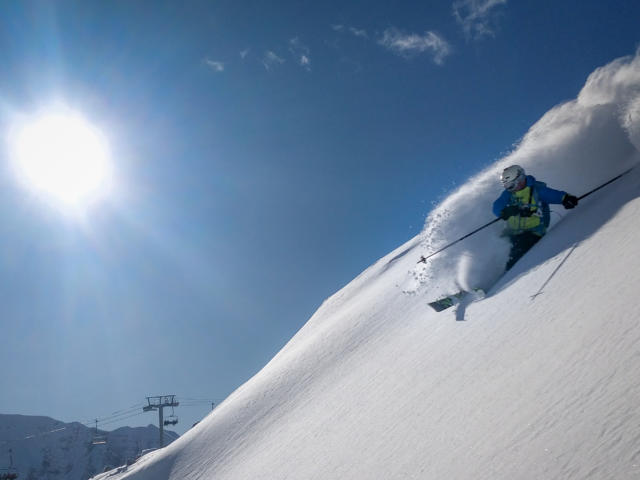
x: 517, y: 224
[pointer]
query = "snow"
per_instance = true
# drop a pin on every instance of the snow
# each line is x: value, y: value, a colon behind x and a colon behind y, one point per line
x: 539, y: 381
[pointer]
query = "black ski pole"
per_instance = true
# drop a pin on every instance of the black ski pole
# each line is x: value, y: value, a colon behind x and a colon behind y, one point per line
x: 605, y: 184
x: 424, y: 259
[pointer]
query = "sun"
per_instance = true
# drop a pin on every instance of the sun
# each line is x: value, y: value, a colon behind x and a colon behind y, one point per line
x: 62, y: 156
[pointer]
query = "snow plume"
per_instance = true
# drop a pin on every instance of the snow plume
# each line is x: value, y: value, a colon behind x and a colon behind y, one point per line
x: 575, y: 147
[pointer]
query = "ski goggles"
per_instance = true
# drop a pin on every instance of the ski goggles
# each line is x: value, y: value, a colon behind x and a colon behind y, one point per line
x: 514, y: 184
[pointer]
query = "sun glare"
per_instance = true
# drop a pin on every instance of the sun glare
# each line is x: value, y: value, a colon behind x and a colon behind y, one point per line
x: 62, y: 156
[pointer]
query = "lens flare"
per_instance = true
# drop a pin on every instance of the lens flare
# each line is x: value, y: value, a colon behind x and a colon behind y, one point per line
x: 62, y: 156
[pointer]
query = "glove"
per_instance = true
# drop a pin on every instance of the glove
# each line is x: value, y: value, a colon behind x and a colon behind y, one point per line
x: 526, y: 212
x: 569, y: 201
x: 509, y: 211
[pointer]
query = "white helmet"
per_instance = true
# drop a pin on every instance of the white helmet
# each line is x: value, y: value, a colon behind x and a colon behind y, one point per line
x: 512, y: 177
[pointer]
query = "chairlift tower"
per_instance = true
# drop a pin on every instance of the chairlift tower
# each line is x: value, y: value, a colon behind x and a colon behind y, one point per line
x: 159, y: 403
x: 9, y: 473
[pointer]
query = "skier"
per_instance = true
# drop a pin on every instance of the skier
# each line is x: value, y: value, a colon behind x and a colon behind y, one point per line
x: 524, y: 205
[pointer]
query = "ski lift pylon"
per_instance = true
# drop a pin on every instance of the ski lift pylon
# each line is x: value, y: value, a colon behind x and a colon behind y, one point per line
x: 9, y: 473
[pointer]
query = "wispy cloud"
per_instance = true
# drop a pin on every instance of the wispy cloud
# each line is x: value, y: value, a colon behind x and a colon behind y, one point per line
x: 357, y: 32
x: 477, y: 17
x: 214, y: 65
x: 244, y: 53
x: 270, y: 60
x: 411, y: 44
x: 301, y: 53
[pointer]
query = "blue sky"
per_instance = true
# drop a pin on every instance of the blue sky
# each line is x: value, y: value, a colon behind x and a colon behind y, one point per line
x: 265, y: 153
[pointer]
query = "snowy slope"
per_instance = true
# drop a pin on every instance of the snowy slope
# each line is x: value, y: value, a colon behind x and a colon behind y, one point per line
x: 540, y: 381
x: 44, y: 448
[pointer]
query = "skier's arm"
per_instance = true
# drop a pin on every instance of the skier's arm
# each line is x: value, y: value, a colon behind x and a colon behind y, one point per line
x: 549, y: 195
x: 500, y: 203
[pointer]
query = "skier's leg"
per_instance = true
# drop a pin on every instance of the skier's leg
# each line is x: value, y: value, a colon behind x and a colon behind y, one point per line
x: 521, y: 244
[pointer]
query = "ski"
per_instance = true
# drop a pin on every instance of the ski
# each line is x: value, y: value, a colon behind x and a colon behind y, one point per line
x: 451, y: 300
x: 447, y: 302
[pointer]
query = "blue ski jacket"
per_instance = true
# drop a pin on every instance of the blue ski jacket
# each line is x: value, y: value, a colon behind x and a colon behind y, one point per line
x: 538, y: 198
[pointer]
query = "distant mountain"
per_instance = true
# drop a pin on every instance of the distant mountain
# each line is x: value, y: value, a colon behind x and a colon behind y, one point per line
x: 47, y: 449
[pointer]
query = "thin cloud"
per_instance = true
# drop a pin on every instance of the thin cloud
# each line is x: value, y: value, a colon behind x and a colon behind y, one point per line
x: 270, y: 60
x: 301, y: 53
x: 244, y: 53
x: 410, y: 45
x: 477, y: 17
x: 356, y: 32
x: 214, y: 65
